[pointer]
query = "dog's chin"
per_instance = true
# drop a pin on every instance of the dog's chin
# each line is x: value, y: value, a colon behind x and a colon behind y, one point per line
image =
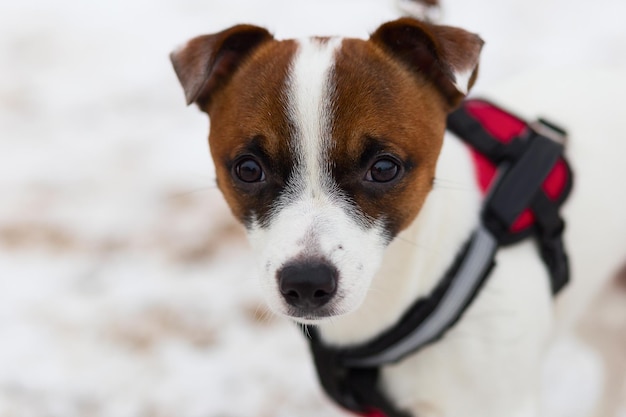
x: 312, y: 317
x: 325, y: 314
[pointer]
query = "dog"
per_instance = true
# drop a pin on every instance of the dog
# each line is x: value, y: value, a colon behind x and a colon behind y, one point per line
x: 334, y: 155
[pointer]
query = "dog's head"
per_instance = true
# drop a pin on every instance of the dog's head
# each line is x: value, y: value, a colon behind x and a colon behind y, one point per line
x: 326, y: 148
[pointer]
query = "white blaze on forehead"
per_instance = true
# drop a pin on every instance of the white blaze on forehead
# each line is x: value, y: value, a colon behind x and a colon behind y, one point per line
x: 309, y: 91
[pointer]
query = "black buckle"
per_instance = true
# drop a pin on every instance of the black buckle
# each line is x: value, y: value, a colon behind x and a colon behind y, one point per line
x: 519, y: 182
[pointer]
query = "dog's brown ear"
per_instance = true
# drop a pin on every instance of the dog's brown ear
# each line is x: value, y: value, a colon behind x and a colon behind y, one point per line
x: 445, y: 55
x: 205, y: 63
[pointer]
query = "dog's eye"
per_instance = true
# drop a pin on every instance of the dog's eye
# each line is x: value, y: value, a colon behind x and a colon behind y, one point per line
x: 383, y: 170
x: 249, y: 170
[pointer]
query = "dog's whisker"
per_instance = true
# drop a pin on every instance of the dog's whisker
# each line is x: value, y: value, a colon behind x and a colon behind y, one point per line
x: 305, y: 330
x: 441, y: 179
x: 417, y: 244
x: 188, y: 193
x: 447, y: 184
x: 451, y: 187
x: 461, y: 183
x: 268, y: 314
x: 263, y: 312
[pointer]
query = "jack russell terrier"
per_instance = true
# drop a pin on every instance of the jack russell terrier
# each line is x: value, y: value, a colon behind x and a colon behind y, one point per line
x: 342, y: 157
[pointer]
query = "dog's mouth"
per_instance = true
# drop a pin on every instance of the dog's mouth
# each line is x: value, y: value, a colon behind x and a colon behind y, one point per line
x: 310, y: 317
x: 315, y: 315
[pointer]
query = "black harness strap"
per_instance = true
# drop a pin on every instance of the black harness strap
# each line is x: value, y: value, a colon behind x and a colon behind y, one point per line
x: 551, y: 248
x: 516, y: 189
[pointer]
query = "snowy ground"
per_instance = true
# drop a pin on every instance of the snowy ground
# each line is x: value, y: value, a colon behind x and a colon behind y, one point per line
x: 125, y: 287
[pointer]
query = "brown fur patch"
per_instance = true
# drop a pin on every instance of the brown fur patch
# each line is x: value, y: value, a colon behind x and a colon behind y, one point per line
x: 249, y: 116
x: 379, y: 101
x: 437, y: 52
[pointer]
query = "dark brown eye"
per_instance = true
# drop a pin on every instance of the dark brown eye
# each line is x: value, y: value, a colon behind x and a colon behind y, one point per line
x: 249, y: 170
x: 383, y: 170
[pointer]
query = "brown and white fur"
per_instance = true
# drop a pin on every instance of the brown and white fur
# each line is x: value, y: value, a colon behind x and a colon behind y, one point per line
x: 315, y: 122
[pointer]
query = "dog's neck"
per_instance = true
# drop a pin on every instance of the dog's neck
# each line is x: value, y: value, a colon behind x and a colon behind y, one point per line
x: 419, y: 256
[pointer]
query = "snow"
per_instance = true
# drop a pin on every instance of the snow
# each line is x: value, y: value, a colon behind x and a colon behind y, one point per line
x: 126, y: 289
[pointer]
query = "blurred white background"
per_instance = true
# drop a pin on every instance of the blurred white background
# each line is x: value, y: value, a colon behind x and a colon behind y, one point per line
x: 125, y: 287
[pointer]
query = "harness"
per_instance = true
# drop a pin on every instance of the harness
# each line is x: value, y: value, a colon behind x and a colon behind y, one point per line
x: 525, y: 179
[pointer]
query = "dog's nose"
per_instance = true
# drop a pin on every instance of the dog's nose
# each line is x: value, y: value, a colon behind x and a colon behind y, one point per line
x: 307, y: 284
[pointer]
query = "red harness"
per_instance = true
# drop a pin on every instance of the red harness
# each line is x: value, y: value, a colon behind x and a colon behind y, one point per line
x: 505, y: 127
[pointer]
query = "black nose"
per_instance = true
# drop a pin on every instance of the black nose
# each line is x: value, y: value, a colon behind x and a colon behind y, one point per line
x: 307, y: 284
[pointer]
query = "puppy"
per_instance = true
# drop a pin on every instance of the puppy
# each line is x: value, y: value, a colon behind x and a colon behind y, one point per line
x: 333, y: 153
